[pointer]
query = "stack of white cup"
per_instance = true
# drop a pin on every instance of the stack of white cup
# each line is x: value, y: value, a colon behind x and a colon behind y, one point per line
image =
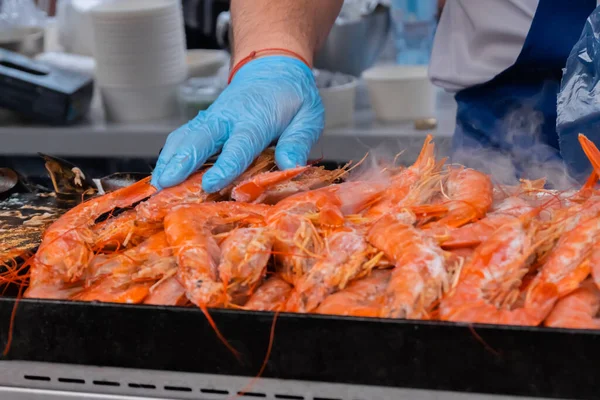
x: 140, y: 50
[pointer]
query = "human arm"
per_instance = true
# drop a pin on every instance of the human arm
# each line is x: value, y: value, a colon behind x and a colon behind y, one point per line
x: 270, y: 98
x: 297, y: 25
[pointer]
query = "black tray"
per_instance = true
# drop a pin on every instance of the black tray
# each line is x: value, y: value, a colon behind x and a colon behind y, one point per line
x: 426, y: 355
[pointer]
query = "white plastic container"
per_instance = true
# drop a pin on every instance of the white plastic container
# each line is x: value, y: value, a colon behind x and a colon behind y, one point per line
x: 140, y: 53
x: 142, y: 75
x: 125, y: 104
x: 400, y: 92
x: 133, y: 8
x: 339, y: 104
x: 139, y: 43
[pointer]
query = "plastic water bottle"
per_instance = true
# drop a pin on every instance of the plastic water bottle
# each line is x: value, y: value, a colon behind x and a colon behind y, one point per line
x: 414, y: 23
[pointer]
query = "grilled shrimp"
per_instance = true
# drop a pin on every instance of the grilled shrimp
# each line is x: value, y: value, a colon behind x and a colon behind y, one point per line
x: 123, y: 231
x: 361, y: 298
x: 470, y: 195
x: 190, y: 191
x: 135, y: 225
x: 419, y: 277
x: 167, y: 292
x: 489, y: 285
x: 189, y: 233
x: 253, y: 189
x: 245, y: 254
x: 272, y: 187
x: 401, y: 184
x: 567, y: 264
x: 345, y: 257
x: 127, y: 277
x: 473, y: 234
x: 577, y: 310
x: 65, y: 249
x: 270, y: 296
x: 297, y: 240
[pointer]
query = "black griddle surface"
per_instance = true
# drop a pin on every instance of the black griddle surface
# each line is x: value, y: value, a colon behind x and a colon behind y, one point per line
x: 23, y: 219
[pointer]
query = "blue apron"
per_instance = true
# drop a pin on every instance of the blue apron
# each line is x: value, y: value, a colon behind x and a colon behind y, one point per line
x: 514, y: 114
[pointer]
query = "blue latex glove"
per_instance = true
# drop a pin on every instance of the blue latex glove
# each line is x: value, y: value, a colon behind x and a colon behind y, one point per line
x: 270, y: 98
x: 578, y: 106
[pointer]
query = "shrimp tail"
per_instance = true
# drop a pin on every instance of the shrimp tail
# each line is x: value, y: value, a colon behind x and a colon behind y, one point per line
x: 592, y: 153
x: 590, y: 182
x: 427, y: 154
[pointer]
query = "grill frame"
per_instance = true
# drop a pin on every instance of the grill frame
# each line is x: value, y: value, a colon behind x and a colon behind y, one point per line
x: 516, y: 361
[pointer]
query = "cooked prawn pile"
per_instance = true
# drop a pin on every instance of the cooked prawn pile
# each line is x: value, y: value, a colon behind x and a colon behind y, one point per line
x: 428, y: 241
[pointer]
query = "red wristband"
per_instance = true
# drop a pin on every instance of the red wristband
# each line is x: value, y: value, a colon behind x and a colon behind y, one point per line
x: 253, y: 55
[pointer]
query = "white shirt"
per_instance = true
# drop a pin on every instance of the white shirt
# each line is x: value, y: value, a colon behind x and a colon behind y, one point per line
x: 478, y: 39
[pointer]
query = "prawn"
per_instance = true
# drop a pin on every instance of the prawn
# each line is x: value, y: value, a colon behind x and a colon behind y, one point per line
x: 577, y: 310
x: 346, y: 257
x: 297, y: 241
x: 245, y: 254
x: 566, y: 265
x: 253, y: 189
x: 190, y: 191
x: 123, y: 231
x: 473, y: 234
x: 167, y: 292
x: 470, y: 195
x: 189, y: 232
x: 65, y: 249
x: 127, y: 277
x: 489, y: 284
x: 402, y: 182
x: 272, y: 187
x: 270, y: 296
x: 419, y: 277
x: 361, y: 298
x: 133, y: 226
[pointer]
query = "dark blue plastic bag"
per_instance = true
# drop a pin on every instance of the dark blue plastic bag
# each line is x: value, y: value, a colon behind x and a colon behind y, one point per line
x: 578, y: 106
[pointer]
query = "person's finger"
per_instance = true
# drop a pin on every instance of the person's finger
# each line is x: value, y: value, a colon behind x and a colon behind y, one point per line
x: 243, y: 146
x: 299, y: 137
x: 197, y: 140
x: 166, y: 153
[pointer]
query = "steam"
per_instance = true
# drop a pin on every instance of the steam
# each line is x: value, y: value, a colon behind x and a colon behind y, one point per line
x: 521, y: 152
x: 375, y: 166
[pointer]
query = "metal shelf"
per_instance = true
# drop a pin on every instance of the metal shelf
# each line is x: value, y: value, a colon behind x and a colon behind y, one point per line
x: 94, y: 137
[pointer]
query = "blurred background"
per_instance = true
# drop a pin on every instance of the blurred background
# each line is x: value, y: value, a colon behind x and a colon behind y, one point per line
x: 103, y: 82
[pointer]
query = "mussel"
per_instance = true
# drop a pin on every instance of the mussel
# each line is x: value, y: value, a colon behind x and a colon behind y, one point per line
x: 9, y: 180
x: 68, y: 180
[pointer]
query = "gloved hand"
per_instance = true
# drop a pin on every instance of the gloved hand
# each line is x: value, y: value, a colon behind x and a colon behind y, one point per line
x: 578, y: 106
x: 269, y: 98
